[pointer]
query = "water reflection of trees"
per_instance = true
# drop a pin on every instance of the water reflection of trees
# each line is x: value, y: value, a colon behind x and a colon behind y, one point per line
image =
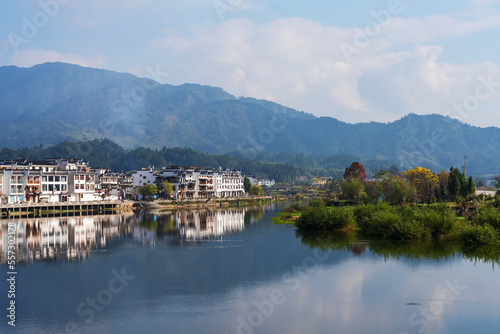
x: 398, y: 250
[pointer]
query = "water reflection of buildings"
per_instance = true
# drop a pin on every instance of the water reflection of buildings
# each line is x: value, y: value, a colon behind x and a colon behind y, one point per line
x: 189, y: 225
x: 60, y: 239
x: 209, y: 224
x: 74, y: 238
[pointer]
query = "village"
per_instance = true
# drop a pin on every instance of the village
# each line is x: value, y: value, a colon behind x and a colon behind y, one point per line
x: 60, y: 180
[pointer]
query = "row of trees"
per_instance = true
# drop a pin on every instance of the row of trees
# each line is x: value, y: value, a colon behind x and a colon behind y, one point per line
x: 417, y: 185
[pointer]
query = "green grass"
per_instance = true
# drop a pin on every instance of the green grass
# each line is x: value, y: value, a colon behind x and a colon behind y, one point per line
x: 285, y: 218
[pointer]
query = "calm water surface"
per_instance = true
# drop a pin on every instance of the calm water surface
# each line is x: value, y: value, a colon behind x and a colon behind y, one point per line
x: 232, y: 271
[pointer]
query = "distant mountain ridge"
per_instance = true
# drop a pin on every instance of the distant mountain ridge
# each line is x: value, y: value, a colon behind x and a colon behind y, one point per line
x: 52, y: 102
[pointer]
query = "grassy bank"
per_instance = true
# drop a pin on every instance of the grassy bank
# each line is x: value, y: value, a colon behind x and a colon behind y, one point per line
x: 406, y: 223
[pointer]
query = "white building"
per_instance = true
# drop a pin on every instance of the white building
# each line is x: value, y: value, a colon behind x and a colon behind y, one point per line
x: 260, y: 182
x: 201, y: 183
x: 50, y: 180
x: 144, y: 177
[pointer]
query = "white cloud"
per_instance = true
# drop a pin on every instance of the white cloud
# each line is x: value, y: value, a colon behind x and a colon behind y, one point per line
x: 299, y: 63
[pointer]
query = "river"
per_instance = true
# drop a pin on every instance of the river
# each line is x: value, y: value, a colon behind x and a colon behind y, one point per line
x: 233, y: 271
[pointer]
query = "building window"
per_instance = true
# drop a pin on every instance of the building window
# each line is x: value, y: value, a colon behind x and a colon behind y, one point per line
x: 63, y: 187
x: 51, y: 179
x: 44, y: 187
x: 63, y: 178
x: 57, y: 178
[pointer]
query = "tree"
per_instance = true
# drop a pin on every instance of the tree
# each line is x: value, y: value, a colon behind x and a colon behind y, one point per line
x: 394, y: 170
x: 168, y: 188
x: 333, y: 186
x: 456, y: 183
x: 383, y: 175
x: 375, y: 190
x: 353, y: 189
x: 148, y: 190
x: 398, y: 191
x: 256, y: 190
x: 247, y: 184
x: 442, y: 190
x: 355, y: 171
x: 470, y: 186
x: 424, y: 181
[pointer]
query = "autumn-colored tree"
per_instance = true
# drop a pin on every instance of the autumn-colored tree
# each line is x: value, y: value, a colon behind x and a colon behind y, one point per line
x: 355, y: 171
x: 424, y: 181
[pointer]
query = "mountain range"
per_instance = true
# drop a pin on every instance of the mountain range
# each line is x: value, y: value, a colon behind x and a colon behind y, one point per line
x: 52, y: 102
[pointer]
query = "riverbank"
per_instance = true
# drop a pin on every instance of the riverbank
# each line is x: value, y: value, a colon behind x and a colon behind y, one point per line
x: 62, y: 209
x: 210, y: 203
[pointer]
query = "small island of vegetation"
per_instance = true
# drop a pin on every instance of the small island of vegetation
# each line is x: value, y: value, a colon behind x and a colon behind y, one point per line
x: 416, y: 205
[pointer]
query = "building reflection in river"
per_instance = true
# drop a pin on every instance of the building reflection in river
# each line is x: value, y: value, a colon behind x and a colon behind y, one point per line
x: 192, y: 225
x: 60, y: 239
x: 74, y: 238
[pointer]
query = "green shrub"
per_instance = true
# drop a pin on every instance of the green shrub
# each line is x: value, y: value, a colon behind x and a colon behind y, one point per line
x: 341, y: 218
x: 439, y: 220
x: 326, y: 219
x: 295, y: 207
x: 408, y: 230
x: 381, y: 223
x: 479, y: 234
x: 488, y: 215
x: 299, y: 197
x: 313, y: 219
x: 316, y: 203
x: 364, y: 213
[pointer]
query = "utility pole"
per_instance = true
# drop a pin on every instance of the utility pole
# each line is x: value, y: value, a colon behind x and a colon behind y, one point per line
x: 465, y: 165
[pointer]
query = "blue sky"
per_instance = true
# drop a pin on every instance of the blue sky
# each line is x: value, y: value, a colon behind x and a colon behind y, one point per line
x: 354, y: 60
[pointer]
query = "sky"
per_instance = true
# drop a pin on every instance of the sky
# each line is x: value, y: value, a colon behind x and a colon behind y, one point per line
x: 357, y: 60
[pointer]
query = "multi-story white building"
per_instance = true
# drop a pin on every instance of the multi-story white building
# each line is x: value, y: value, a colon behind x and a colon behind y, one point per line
x: 50, y: 180
x: 54, y: 187
x: 83, y: 187
x: 144, y: 176
x: 200, y: 183
x: 231, y: 184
